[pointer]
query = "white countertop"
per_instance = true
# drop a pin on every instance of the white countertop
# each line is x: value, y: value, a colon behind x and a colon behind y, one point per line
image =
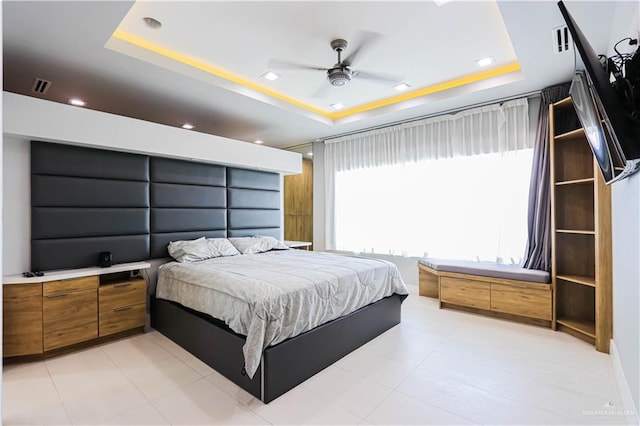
x: 297, y: 243
x: 66, y: 274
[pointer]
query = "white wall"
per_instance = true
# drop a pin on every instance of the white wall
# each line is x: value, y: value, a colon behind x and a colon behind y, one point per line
x: 318, y: 197
x: 38, y: 119
x: 626, y: 239
x: 626, y: 280
x: 26, y: 119
x: 16, y: 199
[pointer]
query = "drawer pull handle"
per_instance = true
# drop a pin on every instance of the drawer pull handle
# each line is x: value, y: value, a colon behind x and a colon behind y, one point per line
x: 122, y: 284
x: 52, y: 296
x: 123, y: 308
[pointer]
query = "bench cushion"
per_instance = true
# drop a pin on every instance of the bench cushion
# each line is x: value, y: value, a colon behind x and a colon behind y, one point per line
x: 486, y: 269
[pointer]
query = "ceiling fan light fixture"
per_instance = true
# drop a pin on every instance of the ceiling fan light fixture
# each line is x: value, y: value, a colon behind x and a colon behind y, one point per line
x: 270, y: 75
x: 337, y: 105
x: 339, y: 76
x: 401, y: 87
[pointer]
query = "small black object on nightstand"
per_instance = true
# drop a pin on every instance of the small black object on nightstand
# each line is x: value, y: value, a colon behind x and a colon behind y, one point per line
x: 104, y: 259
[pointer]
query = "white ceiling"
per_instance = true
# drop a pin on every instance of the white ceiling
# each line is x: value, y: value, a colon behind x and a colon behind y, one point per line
x: 427, y: 44
x: 412, y: 38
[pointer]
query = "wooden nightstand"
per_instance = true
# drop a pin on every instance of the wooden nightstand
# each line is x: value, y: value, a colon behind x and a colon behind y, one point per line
x: 63, y: 308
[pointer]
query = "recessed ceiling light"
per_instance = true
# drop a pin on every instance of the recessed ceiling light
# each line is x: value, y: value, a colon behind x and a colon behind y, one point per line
x: 485, y: 61
x: 270, y: 75
x: 401, y: 87
x: 187, y: 126
x: 77, y: 102
x: 310, y: 154
x: 337, y: 105
x: 152, y: 23
x: 259, y: 142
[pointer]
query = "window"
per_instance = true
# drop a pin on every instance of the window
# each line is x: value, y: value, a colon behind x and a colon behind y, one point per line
x: 467, y: 207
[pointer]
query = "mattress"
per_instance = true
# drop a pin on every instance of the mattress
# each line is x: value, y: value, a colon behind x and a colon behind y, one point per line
x: 272, y: 296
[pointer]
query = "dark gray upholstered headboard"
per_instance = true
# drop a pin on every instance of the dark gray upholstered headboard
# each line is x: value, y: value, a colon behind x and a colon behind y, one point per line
x: 188, y: 201
x: 253, y: 203
x: 86, y: 200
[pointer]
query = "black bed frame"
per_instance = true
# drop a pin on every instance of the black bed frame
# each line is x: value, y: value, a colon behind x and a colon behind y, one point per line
x: 144, y: 202
x: 285, y: 365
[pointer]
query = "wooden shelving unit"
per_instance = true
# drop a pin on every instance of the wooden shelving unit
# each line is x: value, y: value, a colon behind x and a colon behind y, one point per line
x: 581, y: 233
x: 578, y: 279
x: 585, y: 327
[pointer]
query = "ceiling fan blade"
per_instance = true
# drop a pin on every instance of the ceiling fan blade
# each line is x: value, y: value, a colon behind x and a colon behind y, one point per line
x: 321, y: 92
x: 278, y: 64
x: 378, y: 77
x: 366, y: 40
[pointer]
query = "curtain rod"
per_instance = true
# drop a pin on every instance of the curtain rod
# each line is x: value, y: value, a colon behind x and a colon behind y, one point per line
x: 531, y: 94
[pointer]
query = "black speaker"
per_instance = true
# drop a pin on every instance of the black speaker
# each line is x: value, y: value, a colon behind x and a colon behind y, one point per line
x: 104, y: 259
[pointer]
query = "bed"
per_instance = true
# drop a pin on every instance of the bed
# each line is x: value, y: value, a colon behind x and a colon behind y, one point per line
x: 269, y: 321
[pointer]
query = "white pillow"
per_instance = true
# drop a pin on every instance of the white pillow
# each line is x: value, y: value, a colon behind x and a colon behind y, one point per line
x: 191, y: 250
x: 222, y: 247
x: 275, y: 243
x: 253, y: 245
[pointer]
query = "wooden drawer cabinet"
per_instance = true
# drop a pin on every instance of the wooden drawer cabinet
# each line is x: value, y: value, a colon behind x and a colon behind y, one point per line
x: 64, y: 286
x: 69, y: 317
x: 131, y: 292
x: 528, y: 302
x: 122, y: 306
x: 475, y: 294
x: 40, y: 317
x: 122, y: 318
x: 22, y: 319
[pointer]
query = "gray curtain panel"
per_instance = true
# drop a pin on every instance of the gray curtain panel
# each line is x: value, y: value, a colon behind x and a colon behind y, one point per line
x: 538, y: 251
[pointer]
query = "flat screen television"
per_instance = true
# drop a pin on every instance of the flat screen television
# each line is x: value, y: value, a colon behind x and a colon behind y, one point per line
x: 613, y: 136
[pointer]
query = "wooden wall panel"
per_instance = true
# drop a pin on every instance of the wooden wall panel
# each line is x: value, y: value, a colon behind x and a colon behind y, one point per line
x: 298, y: 204
x: 22, y: 316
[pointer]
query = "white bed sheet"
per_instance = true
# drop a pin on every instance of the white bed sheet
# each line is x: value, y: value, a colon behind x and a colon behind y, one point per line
x: 270, y: 297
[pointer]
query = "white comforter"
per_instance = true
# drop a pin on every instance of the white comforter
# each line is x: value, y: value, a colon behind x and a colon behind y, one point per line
x: 272, y: 296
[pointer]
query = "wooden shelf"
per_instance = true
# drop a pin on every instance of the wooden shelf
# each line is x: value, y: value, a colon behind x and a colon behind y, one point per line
x: 578, y: 279
x: 576, y: 181
x: 575, y: 231
x: 564, y: 102
x: 586, y: 327
x: 570, y: 135
x: 581, y: 237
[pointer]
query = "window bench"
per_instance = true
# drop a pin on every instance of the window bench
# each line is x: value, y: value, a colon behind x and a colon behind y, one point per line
x: 505, y: 291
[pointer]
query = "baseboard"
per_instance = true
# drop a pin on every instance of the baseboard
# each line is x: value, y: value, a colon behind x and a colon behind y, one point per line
x: 628, y: 406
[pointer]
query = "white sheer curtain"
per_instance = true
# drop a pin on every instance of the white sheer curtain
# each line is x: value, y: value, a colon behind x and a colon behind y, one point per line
x: 450, y: 186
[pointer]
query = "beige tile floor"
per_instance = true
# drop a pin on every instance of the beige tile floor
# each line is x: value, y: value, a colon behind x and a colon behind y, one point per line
x: 437, y: 367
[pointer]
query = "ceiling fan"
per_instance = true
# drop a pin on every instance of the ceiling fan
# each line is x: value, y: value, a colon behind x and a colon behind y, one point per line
x: 341, y: 72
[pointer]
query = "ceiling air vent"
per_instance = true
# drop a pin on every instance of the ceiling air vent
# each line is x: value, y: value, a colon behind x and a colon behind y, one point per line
x: 40, y: 86
x: 561, y: 39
